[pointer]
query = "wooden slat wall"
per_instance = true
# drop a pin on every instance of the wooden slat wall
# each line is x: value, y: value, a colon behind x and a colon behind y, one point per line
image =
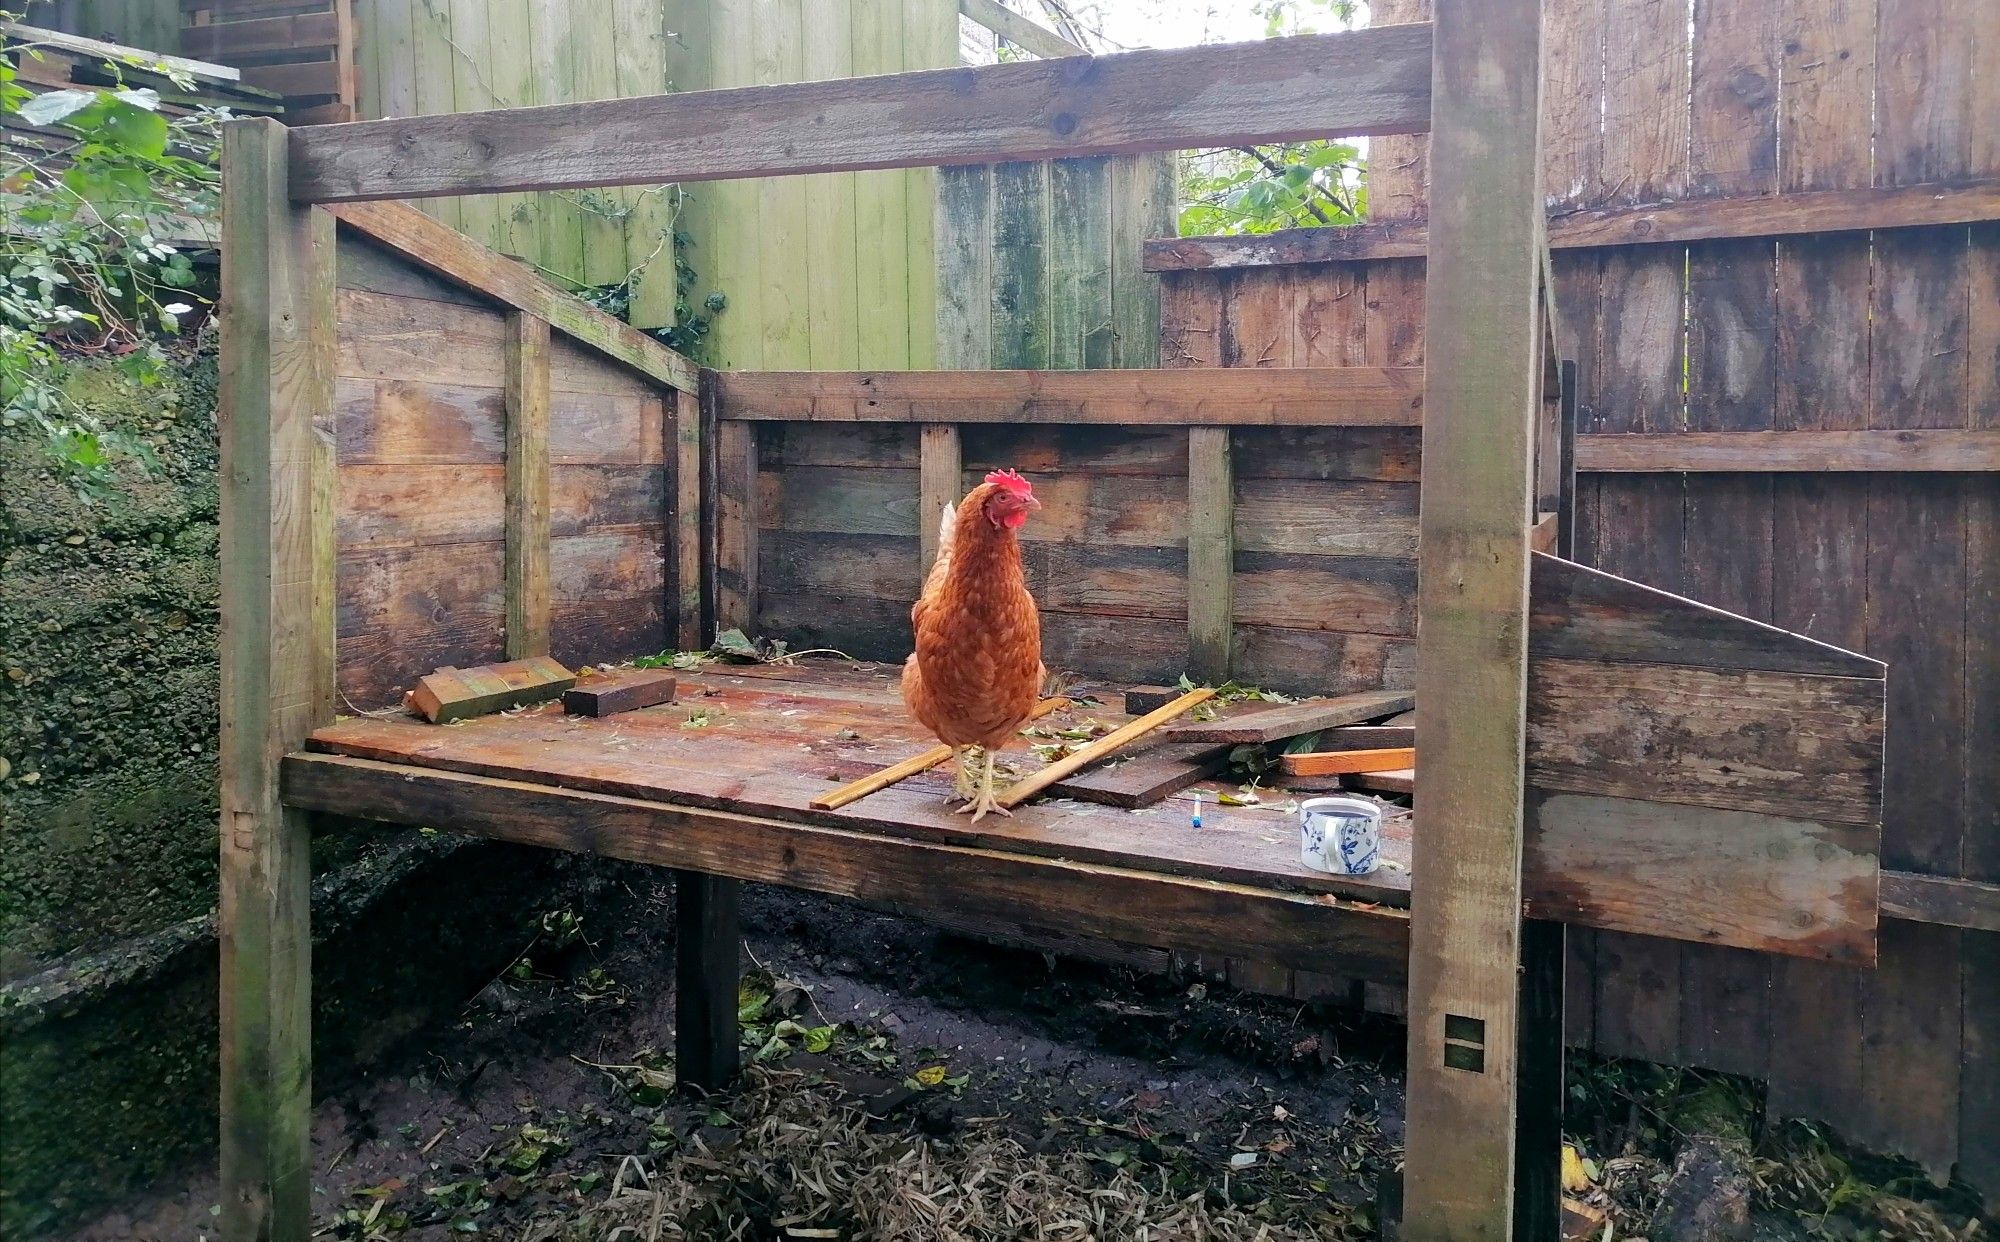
x: 1895, y: 330
x: 421, y: 399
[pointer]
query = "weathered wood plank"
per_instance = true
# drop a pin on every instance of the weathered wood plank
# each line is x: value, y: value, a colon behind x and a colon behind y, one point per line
x: 1211, y: 554
x: 1914, y: 898
x: 690, y: 460
x: 1101, y: 748
x: 1789, y: 744
x: 620, y: 692
x: 1326, y: 396
x: 1370, y: 81
x: 1128, y: 906
x: 463, y: 693
x: 1273, y: 724
x: 736, y: 568
x: 1723, y: 877
x: 1146, y: 777
x: 276, y: 383
x: 1483, y: 349
x: 1343, y: 762
x: 1011, y: 26
x: 437, y: 248
x: 1797, y: 214
x: 1764, y: 452
x: 527, y: 522
x: 1585, y: 614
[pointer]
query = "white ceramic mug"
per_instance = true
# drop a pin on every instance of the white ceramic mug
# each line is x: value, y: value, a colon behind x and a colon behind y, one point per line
x: 1342, y: 836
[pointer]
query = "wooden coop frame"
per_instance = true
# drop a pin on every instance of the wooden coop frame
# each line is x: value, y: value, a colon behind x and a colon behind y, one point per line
x: 1518, y: 814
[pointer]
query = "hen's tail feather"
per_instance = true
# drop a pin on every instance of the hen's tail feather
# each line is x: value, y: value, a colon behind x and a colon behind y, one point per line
x: 941, y: 567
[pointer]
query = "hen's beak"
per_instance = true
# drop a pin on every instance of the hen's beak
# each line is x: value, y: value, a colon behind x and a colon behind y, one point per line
x: 1032, y: 502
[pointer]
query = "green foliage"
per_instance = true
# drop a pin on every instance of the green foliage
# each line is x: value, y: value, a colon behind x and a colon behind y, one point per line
x: 1257, y: 190
x: 84, y: 270
x: 691, y: 323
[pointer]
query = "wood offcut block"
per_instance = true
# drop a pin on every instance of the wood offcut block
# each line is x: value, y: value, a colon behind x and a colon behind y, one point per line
x: 1338, y: 762
x: 461, y: 693
x: 620, y: 692
x: 1274, y: 724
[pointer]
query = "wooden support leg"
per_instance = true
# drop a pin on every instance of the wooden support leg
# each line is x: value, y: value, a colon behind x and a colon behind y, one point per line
x: 1211, y: 554
x: 1538, y: 1117
x: 276, y: 603
x: 705, y: 979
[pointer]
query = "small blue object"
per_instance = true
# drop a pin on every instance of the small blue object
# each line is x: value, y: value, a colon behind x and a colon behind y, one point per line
x: 1197, y: 808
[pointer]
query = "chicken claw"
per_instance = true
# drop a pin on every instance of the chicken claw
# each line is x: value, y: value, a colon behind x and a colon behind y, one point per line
x: 961, y: 787
x: 985, y: 800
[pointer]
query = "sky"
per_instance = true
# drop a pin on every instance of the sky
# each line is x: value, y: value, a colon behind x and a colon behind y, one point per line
x: 1125, y: 24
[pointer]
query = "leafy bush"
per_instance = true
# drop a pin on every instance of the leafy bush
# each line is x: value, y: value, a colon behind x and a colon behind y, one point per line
x: 84, y: 267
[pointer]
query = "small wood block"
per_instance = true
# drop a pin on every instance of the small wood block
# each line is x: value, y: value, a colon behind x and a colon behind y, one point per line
x: 1314, y: 784
x: 1142, y: 699
x: 1368, y: 737
x: 1145, y: 778
x: 1336, y: 762
x: 1402, y: 780
x: 620, y: 692
x: 461, y: 693
x: 1277, y: 723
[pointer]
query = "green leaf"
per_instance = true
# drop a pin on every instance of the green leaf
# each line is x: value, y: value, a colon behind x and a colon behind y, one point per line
x: 56, y: 106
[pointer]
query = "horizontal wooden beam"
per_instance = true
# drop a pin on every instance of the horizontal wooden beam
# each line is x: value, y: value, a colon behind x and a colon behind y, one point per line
x: 1940, y: 899
x: 446, y: 252
x: 1757, y: 452
x: 1311, y: 932
x: 1316, y: 86
x: 1247, y: 396
x: 1783, y: 215
x: 1018, y: 30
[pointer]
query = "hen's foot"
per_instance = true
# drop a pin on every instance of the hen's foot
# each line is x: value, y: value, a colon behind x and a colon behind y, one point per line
x: 981, y: 803
x: 964, y: 788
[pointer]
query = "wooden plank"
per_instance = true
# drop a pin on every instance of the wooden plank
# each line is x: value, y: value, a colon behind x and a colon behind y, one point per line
x: 1802, y: 213
x: 1022, y: 316
x: 1402, y: 782
x: 1719, y: 877
x: 1276, y: 90
x: 463, y: 693
x: 965, y: 247
x: 1018, y: 30
x: 222, y: 40
x: 1916, y: 898
x: 1789, y: 744
x: 1211, y: 554
x: 690, y: 457
x: 1082, y: 314
x: 1273, y: 724
x: 527, y: 486
x: 707, y: 969
x: 1119, y: 904
x: 736, y: 505
x: 1764, y: 452
x: 940, y: 480
x: 1332, y: 396
x: 276, y: 384
x: 437, y: 248
x: 98, y: 49
x: 1368, y: 737
x: 1104, y: 746
x: 1145, y: 778
x: 620, y: 692
x: 1586, y: 614
x: 1342, y: 762
x: 1483, y: 346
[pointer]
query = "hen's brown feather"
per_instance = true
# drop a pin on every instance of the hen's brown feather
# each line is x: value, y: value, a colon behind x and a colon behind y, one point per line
x: 977, y: 671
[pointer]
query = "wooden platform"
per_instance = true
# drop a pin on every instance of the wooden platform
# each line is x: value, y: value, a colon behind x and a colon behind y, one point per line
x: 720, y: 782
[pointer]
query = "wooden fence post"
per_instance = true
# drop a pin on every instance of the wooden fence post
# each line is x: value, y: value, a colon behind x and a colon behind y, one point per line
x: 276, y: 665
x: 527, y: 528
x: 940, y: 473
x: 1211, y: 539
x: 1482, y: 398
x: 690, y: 460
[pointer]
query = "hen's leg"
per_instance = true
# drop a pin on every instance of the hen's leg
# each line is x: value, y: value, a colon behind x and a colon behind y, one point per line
x: 986, y: 801
x: 961, y: 785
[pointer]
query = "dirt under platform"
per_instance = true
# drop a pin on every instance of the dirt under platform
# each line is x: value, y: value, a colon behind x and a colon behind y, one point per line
x: 905, y: 1083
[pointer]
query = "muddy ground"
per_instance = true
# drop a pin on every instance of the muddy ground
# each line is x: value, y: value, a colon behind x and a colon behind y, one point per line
x: 905, y: 1083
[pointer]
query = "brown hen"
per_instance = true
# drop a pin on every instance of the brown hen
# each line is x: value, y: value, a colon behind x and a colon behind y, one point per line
x: 977, y: 671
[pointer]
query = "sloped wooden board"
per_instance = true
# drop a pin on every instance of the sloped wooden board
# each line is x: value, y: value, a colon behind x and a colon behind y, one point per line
x: 1697, y: 775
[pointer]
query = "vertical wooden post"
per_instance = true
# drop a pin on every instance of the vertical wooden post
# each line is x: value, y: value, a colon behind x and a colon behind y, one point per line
x: 527, y: 485
x: 276, y: 665
x: 940, y: 472
x: 736, y: 505
x: 705, y: 979
x: 690, y: 454
x: 1211, y: 538
x: 1483, y: 375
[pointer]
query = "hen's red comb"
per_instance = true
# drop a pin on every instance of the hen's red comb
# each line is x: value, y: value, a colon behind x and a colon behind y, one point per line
x: 1012, y: 481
